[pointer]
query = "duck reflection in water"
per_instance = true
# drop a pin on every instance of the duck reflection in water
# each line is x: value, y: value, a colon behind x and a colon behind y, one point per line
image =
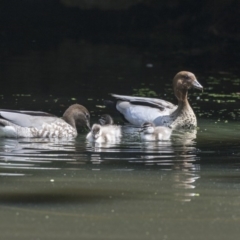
x: 178, y: 157
x: 175, y: 159
x: 36, y: 146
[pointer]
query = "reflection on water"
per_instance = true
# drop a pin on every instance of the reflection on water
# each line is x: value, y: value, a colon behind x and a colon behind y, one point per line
x: 178, y: 154
x: 20, y: 157
x: 178, y: 158
x: 149, y: 186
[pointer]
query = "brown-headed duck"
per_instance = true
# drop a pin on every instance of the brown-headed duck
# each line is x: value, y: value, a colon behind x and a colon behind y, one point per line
x: 138, y: 110
x: 16, y: 124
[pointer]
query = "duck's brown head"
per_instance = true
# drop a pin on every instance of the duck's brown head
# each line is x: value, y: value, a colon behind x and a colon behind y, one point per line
x: 77, y: 116
x: 182, y: 82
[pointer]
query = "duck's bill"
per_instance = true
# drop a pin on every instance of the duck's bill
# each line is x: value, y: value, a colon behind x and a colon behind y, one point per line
x: 88, y: 125
x: 197, y: 85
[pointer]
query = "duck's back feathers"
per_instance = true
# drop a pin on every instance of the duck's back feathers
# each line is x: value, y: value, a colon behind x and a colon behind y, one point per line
x: 138, y: 114
x: 27, y: 118
x: 32, y: 113
x: 54, y: 129
x: 138, y: 110
x: 151, y: 102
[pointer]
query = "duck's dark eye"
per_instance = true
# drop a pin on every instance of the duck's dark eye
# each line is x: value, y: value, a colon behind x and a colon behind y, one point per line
x: 87, y: 115
x: 186, y: 77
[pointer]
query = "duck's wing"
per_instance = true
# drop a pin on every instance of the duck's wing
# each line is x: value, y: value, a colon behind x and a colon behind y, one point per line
x: 27, y: 118
x: 151, y: 102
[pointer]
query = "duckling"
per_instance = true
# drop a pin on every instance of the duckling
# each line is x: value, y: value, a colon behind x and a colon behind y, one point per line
x: 95, y: 135
x: 106, y: 119
x: 149, y: 132
x: 161, y: 112
x: 36, y: 124
x: 106, y: 132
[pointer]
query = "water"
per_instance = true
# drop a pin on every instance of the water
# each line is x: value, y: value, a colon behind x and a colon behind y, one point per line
x: 185, y: 188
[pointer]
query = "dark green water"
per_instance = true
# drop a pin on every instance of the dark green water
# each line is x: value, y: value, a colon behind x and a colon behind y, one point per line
x: 180, y: 189
x: 186, y: 188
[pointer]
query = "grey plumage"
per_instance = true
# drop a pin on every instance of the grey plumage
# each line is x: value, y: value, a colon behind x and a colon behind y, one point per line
x: 39, y: 124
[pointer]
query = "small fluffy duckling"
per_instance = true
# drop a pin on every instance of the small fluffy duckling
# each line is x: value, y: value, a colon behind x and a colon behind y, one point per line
x: 106, y: 132
x: 106, y: 119
x: 149, y: 132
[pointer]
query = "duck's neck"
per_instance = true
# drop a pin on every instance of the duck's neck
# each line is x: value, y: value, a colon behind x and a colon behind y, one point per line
x: 182, y: 99
x: 69, y: 120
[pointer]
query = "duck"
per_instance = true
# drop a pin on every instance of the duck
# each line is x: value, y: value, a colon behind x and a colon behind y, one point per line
x: 106, y: 119
x: 37, y: 124
x: 106, y: 131
x: 149, y: 132
x: 138, y: 110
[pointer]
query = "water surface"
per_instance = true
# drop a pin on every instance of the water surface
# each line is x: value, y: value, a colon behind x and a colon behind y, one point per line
x: 185, y: 188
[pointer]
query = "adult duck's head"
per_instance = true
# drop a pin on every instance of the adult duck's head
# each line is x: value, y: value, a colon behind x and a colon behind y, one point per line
x: 77, y: 116
x: 182, y: 82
